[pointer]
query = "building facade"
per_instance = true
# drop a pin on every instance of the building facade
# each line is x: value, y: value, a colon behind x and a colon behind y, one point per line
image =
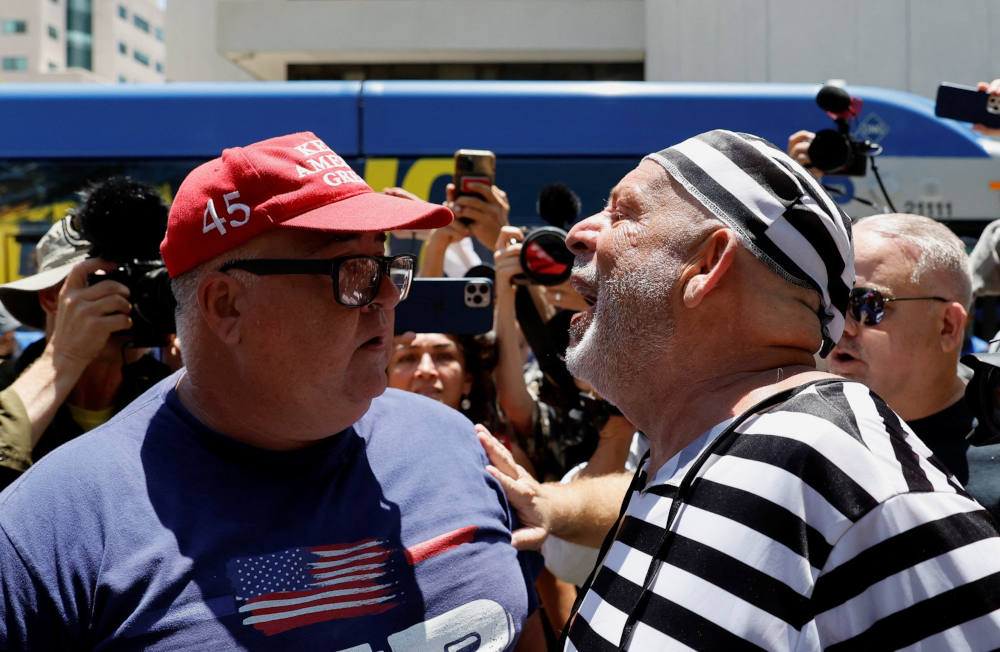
x: 908, y: 45
x: 82, y: 40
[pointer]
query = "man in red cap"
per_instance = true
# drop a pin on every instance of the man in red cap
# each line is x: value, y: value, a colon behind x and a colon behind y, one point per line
x: 272, y: 494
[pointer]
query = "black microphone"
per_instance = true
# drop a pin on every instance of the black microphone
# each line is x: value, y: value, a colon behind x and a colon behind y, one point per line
x: 558, y: 205
x: 834, y: 99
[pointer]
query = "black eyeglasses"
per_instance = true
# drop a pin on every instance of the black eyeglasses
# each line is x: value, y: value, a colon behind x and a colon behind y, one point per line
x: 356, y: 279
x: 867, y: 305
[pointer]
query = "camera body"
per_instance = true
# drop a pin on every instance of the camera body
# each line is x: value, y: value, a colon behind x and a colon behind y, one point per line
x: 545, y: 258
x: 983, y: 396
x: 151, y: 297
x: 835, y: 151
x: 124, y: 221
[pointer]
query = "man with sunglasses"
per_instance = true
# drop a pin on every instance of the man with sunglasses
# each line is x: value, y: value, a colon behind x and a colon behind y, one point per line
x: 903, y: 338
x: 272, y: 494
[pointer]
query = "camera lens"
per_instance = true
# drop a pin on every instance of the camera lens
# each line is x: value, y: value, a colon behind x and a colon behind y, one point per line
x: 545, y: 258
x: 830, y: 151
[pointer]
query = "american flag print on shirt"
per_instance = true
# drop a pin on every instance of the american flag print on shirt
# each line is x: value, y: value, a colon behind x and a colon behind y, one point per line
x: 301, y: 586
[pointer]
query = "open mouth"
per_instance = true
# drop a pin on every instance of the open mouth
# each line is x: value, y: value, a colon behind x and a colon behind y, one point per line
x: 589, y: 295
x: 375, y: 342
x: 842, y: 357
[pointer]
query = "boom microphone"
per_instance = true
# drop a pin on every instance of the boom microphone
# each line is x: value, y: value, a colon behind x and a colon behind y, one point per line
x: 558, y: 205
x: 834, y: 99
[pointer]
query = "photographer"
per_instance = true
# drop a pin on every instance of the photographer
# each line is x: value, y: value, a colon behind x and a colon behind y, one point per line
x: 559, y: 426
x: 914, y: 273
x: 83, y: 371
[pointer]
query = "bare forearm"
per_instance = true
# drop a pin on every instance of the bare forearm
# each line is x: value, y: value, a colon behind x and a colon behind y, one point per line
x: 512, y: 393
x: 583, y: 510
x: 43, y: 387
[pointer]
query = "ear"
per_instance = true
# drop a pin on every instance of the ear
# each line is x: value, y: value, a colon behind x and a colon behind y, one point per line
x: 48, y: 299
x: 710, y: 262
x: 467, y: 384
x: 220, y: 297
x: 952, y: 322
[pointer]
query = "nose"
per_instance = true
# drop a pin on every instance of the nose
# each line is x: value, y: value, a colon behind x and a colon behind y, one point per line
x: 426, y: 366
x: 387, y: 297
x: 582, y: 238
x: 851, y: 325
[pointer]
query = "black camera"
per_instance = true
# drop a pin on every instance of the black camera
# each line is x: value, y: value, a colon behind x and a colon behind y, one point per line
x: 835, y: 151
x: 545, y: 258
x: 124, y: 221
x: 983, y: 396
x: 151, y: 297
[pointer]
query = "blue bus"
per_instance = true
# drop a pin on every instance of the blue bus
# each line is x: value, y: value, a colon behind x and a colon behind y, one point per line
x: 56, y: 138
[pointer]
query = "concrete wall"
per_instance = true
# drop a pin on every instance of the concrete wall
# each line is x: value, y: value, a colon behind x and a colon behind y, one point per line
x: 905, y: 44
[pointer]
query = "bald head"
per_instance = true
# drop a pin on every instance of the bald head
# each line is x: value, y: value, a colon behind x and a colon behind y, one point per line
x: 940, y: 262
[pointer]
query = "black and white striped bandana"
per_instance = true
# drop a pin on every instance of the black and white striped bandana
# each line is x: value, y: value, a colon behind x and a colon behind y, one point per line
x: 780, y: 212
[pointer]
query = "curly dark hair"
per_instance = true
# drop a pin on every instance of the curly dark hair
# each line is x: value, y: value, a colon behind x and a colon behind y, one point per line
x: 123, y: 219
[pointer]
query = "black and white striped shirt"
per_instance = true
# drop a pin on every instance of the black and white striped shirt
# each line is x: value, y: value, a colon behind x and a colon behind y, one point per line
x: 823, y: 523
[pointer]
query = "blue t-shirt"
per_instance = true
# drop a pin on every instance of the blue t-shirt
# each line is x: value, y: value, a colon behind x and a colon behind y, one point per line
x: 154, y: 532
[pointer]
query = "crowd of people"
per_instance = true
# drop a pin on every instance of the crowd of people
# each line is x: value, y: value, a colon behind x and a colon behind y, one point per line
x: 740, y: 423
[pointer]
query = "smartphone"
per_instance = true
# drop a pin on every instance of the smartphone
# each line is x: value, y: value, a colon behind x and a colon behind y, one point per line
x: 967, y: 104
x: 473, y: 166
x: 456, y: 306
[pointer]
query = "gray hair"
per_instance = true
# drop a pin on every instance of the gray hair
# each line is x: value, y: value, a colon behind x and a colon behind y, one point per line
x: 185, y: 289
x: 941, y: 251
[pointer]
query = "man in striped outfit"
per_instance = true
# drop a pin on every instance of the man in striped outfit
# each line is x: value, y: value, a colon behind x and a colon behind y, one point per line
x: 781, y: 508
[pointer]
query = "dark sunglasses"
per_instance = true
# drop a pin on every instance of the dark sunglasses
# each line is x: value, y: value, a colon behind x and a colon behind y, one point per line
x: 356, y: 279
x: 867, y: 305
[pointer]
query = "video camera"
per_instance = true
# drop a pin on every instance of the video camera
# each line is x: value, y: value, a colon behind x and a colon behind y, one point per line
x: 125, y: 220
x: 835, y: 151
x: 983, y: 396
x: 545, y: 258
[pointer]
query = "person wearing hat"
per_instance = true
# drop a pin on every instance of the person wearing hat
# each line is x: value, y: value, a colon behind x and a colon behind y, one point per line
x: 81, y: 372
x: 9, y: 347
x: 272, y: 494
x: 780, y: 507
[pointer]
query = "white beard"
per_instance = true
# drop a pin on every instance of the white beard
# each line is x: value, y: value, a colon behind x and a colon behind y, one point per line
x: 630, y: 329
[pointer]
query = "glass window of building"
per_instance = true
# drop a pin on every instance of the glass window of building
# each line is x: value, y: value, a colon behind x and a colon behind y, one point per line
x: 14, y: 63
x: 159, y: 66
x: 14, y: 27
x: 158, y: 33
x: 122, y: 48
x: 121, y: 79
x: 141, y: 57
x: 53, y: 32
x: 122, y: 12
x: 140, y: 22
x: 53, y: 65
x: 80, y: 34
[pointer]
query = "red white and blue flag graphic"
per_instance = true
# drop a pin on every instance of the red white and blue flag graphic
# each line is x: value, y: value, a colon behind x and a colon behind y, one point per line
x: 301, y: 586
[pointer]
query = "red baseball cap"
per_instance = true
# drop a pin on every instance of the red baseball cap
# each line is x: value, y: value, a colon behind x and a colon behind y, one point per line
x: 294, y: 181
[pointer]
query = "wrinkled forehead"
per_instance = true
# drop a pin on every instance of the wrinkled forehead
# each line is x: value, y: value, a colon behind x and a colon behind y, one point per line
x: 649, y: 186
